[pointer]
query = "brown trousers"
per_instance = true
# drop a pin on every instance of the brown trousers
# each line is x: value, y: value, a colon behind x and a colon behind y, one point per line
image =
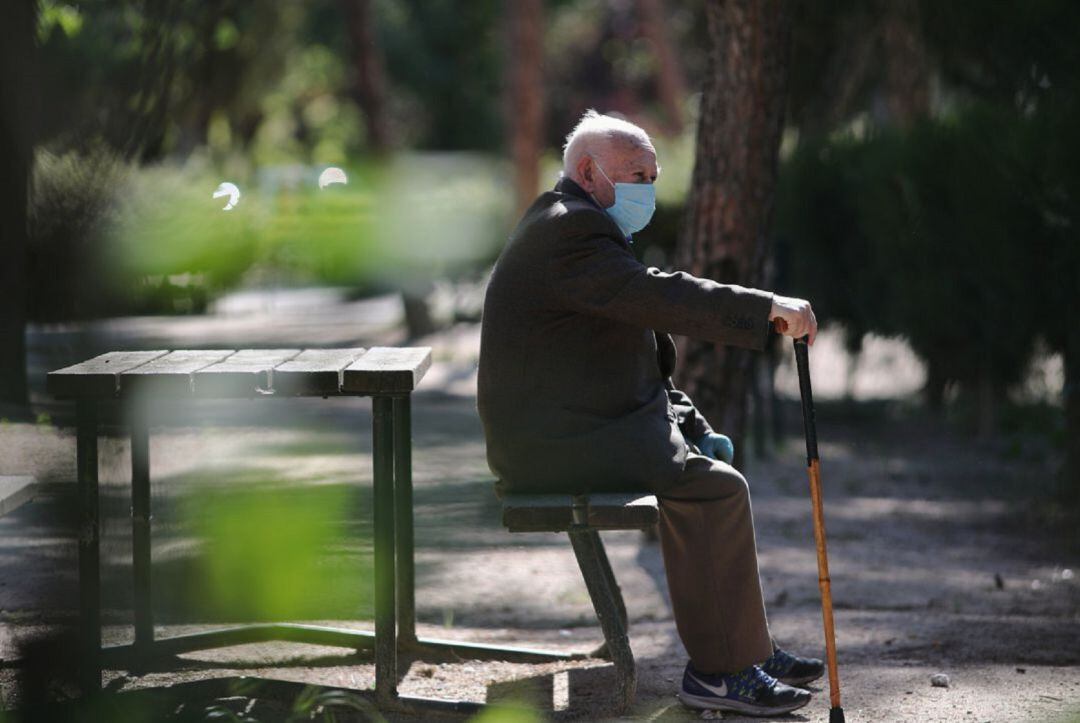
x: 707, y: 538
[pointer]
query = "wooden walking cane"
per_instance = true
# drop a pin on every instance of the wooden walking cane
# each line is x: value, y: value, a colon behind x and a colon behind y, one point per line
x: 802, y: 362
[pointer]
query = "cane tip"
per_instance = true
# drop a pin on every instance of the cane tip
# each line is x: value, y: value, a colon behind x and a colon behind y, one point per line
x: 836, y: 715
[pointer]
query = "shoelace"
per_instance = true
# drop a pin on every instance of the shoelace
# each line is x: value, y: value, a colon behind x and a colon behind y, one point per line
x: 779, y: 662
x: 748, y: 683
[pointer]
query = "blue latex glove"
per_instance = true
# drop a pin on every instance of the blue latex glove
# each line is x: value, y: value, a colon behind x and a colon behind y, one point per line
x: 717, y: 446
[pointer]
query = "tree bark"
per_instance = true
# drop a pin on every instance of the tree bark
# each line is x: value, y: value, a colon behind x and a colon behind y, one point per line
x: 733, y: 190
x: 18, y: 23
x: 670, y: 83
x: 907, y: 75
x: 525, y: 99
x: 368, y: 81
x: 1071, y: 394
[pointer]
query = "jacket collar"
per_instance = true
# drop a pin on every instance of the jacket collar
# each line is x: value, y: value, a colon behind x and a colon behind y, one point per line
x: 571, y: 188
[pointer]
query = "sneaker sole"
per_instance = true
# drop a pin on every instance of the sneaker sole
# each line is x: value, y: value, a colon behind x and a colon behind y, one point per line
x: 750, y: 709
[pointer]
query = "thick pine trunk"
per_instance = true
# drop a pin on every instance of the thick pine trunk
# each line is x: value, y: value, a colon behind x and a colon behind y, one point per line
x: 907, y: 76
x: 17, y: 78
x: 732, y: 196
x: 670, y: 83
x: 1071, y: 471
x: 524, y: 95
x: 367, y: 85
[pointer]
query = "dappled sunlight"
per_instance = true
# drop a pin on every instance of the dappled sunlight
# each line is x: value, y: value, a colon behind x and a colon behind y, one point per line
x: 342, y: 175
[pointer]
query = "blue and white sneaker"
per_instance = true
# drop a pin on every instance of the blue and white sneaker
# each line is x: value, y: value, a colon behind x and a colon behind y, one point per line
x: 792, y: 669
x: 751, y: 691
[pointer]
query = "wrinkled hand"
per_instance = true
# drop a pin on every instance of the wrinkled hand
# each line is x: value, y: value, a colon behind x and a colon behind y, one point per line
x: 793, y: 317
x: 717, y: 446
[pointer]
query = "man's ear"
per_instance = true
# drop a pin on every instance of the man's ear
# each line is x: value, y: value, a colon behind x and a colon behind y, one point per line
x: 585, y: 172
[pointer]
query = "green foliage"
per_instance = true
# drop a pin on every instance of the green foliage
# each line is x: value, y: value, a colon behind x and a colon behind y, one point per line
x: 445, y: 60
x: 59, y: 16
x: 441, y: 213
x: 268, y: 552
x: 507, y: 713
x: 109, y: 237
x: 71, y: 273
x: 325, y: 705
x: 930, y: 234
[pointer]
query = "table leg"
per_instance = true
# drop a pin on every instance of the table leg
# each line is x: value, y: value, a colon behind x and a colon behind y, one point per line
x: 403, y: 506
x: 385, y: 614
x: 89, y: 547
x: 140, y: 525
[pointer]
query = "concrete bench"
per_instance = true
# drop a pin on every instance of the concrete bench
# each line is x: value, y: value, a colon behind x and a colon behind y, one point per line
x: 582, y: 517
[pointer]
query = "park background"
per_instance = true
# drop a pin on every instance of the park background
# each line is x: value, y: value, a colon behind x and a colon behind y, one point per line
x: 912, y: 168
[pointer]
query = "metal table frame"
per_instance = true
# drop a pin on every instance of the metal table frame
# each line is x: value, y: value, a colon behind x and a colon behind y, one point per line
x: 394, y: 570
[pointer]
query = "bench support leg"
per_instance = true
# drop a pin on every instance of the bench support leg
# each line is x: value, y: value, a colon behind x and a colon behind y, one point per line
x: 385, y: 613
x: 89, y: 548
x: 616, y: 591
x: 140, y: 526
x: 606, y: 600
x: 403, y: 509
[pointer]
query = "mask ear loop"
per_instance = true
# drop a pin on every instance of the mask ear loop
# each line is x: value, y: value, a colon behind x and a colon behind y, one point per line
x: 603, y: 173
x: 596, y: 164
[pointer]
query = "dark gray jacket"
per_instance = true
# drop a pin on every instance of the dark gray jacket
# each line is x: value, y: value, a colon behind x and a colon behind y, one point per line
x: 573, y: 382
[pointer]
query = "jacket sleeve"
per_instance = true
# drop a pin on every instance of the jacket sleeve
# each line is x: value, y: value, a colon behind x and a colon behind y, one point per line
x: 593, y: 273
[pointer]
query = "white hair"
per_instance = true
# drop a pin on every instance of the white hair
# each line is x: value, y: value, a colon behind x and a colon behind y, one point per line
x: 593, y: 135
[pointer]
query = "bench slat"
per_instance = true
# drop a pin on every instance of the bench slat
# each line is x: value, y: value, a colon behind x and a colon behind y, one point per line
x: 622, y: 511
x: 538, y: 513
x: 97, y: 377
x: 387, y: 370
x: 170, y: 375
x: 555, y: 513
x: 244, y: 374
x: 315, y: 372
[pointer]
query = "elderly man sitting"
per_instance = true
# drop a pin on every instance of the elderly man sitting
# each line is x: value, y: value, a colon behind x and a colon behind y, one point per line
x: 575, y: 396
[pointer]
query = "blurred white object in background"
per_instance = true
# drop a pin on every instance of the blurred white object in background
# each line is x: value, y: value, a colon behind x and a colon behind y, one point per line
x: 228, y: 189
x: 332, y: 175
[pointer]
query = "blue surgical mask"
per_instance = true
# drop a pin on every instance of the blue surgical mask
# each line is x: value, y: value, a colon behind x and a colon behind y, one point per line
x: 634, y: 204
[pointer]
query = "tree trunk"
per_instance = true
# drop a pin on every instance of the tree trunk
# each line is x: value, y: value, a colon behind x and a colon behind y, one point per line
x: 368, y: 82
x: 733, y: 190
x: 1071, y: 471
x: 670, y: 83
x: 907, y: 76
x: 524, y: 85
x: 18, y: 23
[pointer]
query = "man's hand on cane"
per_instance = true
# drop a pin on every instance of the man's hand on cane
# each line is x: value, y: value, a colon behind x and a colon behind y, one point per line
x: 793, y: 317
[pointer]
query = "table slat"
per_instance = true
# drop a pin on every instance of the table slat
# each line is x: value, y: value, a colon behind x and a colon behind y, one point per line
x: 171, y: 374
x: 97, y: 377
x: 314, y: 372
x: 387, y: 370
x: 244, y: 374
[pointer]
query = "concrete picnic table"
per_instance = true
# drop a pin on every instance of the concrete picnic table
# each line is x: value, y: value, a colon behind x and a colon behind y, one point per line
x: 387, y: 374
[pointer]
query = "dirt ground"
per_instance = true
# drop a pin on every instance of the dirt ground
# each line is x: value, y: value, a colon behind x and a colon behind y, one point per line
x: 946, y: 553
